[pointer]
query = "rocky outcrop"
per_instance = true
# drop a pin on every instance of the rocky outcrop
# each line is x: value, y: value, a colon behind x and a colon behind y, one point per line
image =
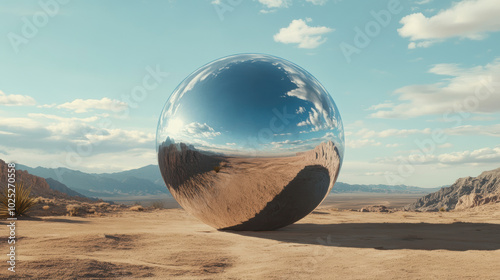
x: 464, y: 193
x: 375, y: 208
x: 474, y: 199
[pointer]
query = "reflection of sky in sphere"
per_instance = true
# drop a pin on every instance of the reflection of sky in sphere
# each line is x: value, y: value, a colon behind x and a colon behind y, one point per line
x: 251, y: 105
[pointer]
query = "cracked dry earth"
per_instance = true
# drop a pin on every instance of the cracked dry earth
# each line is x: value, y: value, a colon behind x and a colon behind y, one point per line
x: 327, y: 244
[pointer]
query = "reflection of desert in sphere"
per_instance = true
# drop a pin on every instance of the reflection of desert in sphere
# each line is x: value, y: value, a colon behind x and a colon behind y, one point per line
x: 250, y: 142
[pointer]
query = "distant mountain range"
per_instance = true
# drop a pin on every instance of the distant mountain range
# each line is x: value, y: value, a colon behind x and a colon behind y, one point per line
x: 147, y: 180
x: 46, y: 188
x: 137, y: 182
x: 340, y: 187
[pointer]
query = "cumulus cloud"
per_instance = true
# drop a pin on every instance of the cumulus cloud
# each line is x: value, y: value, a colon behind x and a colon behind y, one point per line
x: 263, y: 11
x: 58, y: 134
x: 359, y: 143
x: 403, y: 132
x: 317, y: 2
x: 85, y: 105
x: 275, y: 3
x: 300, y: 110
x: 16, y: 100
x: 483, y: 155
x: 322, y: 116
x: 471, y: 90
x: 487, y: 130
x: 200, y: 130
x: 298, y: 32
x: 471, y: 19
x: 392, y: 132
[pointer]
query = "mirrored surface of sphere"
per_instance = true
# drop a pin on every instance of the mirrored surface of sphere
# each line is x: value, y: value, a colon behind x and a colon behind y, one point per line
x: 250, y: 142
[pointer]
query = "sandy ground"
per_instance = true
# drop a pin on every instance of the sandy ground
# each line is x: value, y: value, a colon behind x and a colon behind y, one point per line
x: 345, y: 201
x: 328, y: 244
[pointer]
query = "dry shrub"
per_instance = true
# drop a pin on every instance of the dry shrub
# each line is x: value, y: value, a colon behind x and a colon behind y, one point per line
x: 74, y: 209
x: 103, y: 204
x: 137, y: 208
x: 23, y: 201
x: 158, y: 205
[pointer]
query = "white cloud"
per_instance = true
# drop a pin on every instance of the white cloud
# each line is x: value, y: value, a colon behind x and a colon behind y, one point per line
x: 275, y: 3
x: 488, y: 130
x: 471, y: 19
x: 317, y: 2
x: 471, y: 90
x: 200, y: 130
x: 24, y: 123
x: 483, y: 118
x: 300, y: 110
x: 59, y: 134
x: 298, y: 32
x: 423, y: 44
x: 403, y: 132
x: 16, y: 100
x: 381, y: 106
x: 367, y: 133
x: 445, y: 145
x: 394, y: 145
x: 359, y: 143
x: 322, y: 116
x: 313, y: 120
x: 483, y: 155
x: 85, y: 105
x: 263, y: 11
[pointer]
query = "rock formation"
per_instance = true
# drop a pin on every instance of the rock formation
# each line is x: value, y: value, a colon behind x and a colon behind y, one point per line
x: 464, y: 193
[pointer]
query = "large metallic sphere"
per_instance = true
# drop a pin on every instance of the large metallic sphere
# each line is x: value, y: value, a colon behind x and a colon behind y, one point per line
x: 250, y: 142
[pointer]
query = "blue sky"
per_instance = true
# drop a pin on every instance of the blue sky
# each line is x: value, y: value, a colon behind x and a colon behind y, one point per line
x: 416, y: 82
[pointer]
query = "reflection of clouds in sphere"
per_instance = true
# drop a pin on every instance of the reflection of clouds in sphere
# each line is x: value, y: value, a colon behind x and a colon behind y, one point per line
x: 254, y: 109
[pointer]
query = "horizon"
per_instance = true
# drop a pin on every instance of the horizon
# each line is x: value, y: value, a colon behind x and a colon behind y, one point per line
x: 156, y: 165
x: 82, y: 85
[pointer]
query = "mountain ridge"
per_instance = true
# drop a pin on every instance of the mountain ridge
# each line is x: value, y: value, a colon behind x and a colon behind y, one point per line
x: 465, y: 193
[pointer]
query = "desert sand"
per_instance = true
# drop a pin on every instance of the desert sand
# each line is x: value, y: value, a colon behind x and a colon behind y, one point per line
x: 327, y: 244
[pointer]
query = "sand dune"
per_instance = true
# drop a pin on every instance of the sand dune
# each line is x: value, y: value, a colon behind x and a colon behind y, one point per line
x: 328, y: 244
